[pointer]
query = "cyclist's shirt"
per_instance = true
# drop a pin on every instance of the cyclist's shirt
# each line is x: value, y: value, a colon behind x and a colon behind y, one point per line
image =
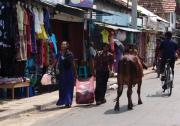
x: 168, y: 49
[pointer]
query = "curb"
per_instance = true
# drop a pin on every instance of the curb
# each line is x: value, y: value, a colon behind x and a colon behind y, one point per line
x: 35, y: 108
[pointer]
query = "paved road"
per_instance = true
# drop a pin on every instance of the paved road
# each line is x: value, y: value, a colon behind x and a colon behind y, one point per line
x: 157, y: 110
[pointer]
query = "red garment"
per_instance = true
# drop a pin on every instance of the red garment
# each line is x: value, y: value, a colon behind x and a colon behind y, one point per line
x: 51, y: 52
x: 39, y: 52
x: 44, y: 55
x: 28, y: 33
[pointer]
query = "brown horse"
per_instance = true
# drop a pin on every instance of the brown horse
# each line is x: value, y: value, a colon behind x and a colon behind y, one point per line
x: 130, y: 73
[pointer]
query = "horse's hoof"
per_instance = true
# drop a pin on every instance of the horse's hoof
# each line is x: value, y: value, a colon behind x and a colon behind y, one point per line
x: 140, y: 103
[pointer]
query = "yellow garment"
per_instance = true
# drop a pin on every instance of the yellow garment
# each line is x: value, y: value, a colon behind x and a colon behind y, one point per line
x: 105, y: 35
x: 43, y: 34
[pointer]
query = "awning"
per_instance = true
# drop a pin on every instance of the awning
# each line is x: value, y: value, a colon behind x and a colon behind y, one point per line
x: 46, y: 2
x: 117, y: 27
x: 70, y: 10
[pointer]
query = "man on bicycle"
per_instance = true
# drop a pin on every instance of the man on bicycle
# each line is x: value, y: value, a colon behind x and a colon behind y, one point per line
x: 168, y: 49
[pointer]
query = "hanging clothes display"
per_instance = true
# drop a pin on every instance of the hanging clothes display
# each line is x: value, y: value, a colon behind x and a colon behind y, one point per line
x: 24, y: 31
x: 105, y: 36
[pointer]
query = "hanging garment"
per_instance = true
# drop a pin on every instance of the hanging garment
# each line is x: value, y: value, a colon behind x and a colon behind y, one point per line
x: 47, y: 53
x: 33, y: 34
x: 44, y: 53
x: 53, y: 40
x: 22, y: 50
x: 41, y: 16
x: 20, y: 17
x: 28, y: 32
x: 43, y: 34
x: 51, y: 53
x: 105, y: 35
x: 37, y: 21
x: 39, y: 52
x: 47, y: 21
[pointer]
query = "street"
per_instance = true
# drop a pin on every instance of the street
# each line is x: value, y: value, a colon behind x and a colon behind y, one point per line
x: 157, y: 110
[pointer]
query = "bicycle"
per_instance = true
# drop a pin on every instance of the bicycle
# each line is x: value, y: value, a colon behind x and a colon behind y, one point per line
x: 168, y: 78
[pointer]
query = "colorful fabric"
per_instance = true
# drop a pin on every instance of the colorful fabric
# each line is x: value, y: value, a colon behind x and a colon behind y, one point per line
x: 105, y: 35
x: 43, y: 34
x: 22, y: 50
x: 11, y: 80
x: 37, y: 21
x: 47, y: 21
x: 54, y: 41
x: 33, y: 34
x: 28, y: 34
x: 20, y: 17
x: 41, y: 16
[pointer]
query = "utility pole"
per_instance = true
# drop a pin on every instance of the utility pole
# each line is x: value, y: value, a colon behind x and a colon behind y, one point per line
x: 134, y: 14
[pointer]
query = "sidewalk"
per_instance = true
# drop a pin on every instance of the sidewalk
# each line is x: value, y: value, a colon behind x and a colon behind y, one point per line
x: 13, y: 108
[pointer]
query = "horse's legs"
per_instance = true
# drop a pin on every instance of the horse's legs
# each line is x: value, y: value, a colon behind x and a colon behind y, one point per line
x: 139, y: 92
x: 119, y: 93
x: 129, y: 93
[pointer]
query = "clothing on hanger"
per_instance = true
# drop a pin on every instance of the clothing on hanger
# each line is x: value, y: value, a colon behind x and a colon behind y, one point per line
x: 105, y: 36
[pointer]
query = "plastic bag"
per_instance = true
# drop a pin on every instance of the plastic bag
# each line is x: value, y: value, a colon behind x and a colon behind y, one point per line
x: 46, y: 79
x: 85, y: 91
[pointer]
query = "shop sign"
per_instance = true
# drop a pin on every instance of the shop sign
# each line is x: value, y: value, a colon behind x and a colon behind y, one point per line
x: 81, y: 3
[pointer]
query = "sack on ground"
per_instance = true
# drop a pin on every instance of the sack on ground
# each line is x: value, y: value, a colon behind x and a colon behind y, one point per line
x: 85, y: 91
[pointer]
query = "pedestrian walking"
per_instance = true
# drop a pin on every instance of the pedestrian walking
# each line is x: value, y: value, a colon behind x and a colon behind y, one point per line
x: 67, y: 75
x: 103, y: 61
x: 157, y: 54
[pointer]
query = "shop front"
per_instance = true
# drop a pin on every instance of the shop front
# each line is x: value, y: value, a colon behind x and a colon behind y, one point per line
x: 70, y: 28
x: 26, y: 46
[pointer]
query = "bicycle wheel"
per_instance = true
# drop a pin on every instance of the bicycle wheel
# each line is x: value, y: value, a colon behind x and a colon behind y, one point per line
x: 168, y: 80
x: 171, y: 82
